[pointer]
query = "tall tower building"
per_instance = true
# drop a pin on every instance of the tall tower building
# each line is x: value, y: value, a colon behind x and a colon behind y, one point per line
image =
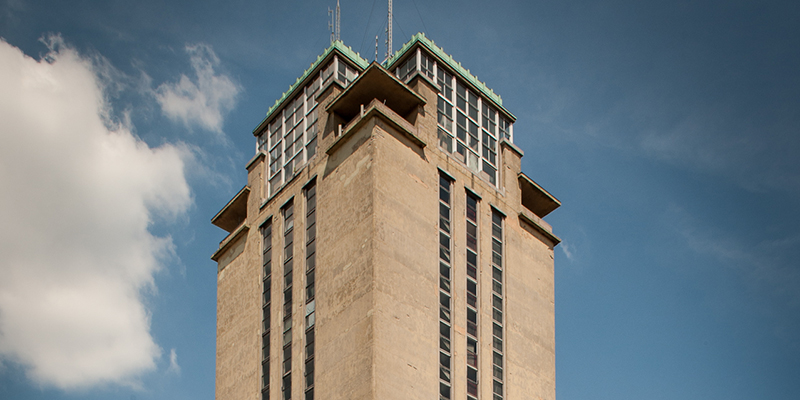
x: 387, y: 244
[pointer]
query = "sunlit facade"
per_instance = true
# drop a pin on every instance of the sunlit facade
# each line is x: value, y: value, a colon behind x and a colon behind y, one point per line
x: 387, y: 244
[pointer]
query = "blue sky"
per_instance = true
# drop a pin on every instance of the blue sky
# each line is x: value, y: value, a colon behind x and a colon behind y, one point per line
x: 669, y: 130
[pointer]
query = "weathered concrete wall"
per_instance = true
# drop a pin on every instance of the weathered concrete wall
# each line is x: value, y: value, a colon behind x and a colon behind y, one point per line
x: 406, y: 270
x: 345, y: 274
x: 239, y: 324
x: 377, y: 274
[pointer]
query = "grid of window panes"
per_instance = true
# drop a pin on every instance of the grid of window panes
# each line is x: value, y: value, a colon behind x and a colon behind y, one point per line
x: 311, y: 258
x: 472, y: 297
x: 445, y: 324
x: 469, y: 126
x: 266, y: 235
x: 288, y: 260
x: 407, y: 68
x: 497, y: 305
x: 291, y: 138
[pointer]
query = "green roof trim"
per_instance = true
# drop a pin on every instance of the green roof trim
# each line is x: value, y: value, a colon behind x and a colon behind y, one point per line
x: 453, y: 64
x: 339, y: 46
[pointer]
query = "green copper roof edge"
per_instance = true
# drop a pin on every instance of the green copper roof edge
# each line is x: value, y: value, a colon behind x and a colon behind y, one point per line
x: 345, y: 50
x: 452, y: 63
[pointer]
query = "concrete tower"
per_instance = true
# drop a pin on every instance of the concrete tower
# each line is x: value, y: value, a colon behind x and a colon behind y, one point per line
x: 387, y: 245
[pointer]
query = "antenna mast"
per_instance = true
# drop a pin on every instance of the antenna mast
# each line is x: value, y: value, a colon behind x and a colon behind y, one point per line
x: 338, y: 17
x: 330, y: 24
x: 389, y: 33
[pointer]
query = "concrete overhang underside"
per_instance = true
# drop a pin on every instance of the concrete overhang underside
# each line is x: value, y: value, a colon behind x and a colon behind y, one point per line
x: 234, y: 213
x: 535, y: 198
x: 376, y: 83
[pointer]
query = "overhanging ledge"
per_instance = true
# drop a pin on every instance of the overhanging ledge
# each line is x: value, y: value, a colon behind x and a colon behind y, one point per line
x: 535, y: 198
x: 234, y: 213
x: 375, y: 83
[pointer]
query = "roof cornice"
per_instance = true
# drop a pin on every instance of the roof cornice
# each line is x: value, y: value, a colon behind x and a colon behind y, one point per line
x: 337, y: 47
x: 420, y: 39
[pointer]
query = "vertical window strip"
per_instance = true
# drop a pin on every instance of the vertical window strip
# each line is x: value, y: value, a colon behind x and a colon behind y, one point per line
x: 311, y: 256
x: 497, y: 305
x: 472, y: 297
x: 291, y: 139
x: 426, y: 65
x: 288, y: 261
x: 266, y: 235
x: 445, y: 295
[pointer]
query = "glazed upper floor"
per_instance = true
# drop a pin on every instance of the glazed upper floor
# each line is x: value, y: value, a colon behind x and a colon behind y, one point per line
x: 471, y: 120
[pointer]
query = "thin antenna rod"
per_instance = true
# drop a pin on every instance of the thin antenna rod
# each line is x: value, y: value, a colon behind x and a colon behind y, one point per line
x: 389, y: 33
x: 338, y: 26
x: 376, y: 48
x: 330, y: 25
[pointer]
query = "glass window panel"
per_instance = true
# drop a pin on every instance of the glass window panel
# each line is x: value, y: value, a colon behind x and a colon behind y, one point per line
x: 444, y: 359
x: 473, y: 130
x: 444, y: 391
x: 472, y: 300
x: 310, y: 347
x: 275, y: 183
x: 497, y: 358
x: 444, y: 300
x: 287, y: 386
x: 498, y: 388
x: 445, y: 81
x: 497, y: 274
x: 312, y: 247
x: 444, y: 189
x: 472, y: 315
x: 310, y: 277
x: 444, y: 330
x: 309, y: 370
x: 287, y: 297
x: 444, y: 343
x: 310, y: 320
x: 311, y: 262
x: 444, y: 314
x: 497, y: 315
x: 472, y: 373
x: 472, y: 161
x: 461, y: 152
x: 444, y: 373
x: 472, y: 388
x: 444, y: 284
x: 287, y: 280
x: 444, y: 270
x: 310, y: 307
x: 444, y: 254
x: 444, y: 240
x: 497, y: 231
x: 497, y: 330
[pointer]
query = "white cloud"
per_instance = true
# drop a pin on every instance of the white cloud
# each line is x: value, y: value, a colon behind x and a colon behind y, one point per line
x: 565, y: 247
x: 78, y: 195
x: 204, y: 101
x: 173, y: 363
